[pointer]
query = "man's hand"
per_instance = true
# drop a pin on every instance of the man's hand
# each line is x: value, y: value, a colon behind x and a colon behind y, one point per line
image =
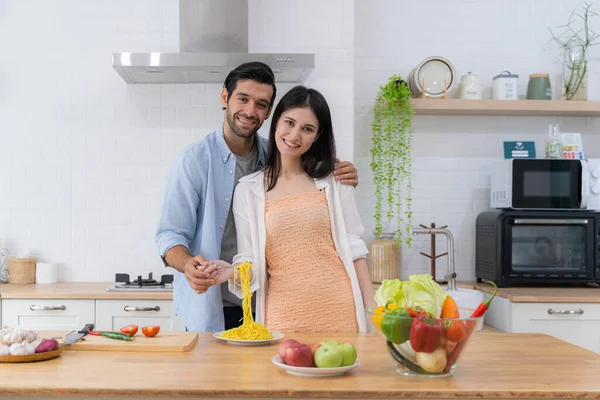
x: 345, y: 172
x: 198, y: 273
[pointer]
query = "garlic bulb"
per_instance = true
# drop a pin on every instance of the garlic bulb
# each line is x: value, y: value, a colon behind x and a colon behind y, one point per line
x: 29, y: 348
x: 29, y: 336
x: 17, y: 349
x: 21, y: 349
x: 13, y: 336
x: 4, y: 350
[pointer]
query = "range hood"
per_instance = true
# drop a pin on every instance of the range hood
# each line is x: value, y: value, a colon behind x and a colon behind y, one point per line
x: 213, y: 39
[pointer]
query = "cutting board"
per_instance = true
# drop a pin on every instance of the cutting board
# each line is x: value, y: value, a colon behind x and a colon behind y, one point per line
x: 165, y: 342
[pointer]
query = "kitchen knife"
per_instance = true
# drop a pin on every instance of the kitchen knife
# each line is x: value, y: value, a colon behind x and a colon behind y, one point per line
x: 75, y: 336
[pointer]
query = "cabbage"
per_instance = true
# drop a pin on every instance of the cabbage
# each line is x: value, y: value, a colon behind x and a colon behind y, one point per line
x: 422, y: 291
x: 391, y: 291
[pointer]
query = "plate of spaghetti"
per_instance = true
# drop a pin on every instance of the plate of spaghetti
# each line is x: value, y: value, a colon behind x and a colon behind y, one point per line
x: 249, y: 342
x: 250, y: 333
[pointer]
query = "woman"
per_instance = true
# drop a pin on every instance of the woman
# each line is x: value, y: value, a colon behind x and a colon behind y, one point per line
x: 300, y: 228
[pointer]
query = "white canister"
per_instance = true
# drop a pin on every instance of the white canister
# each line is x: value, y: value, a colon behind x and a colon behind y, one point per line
x: 46, y: 272
x: 470, y: 89
x: 506, y: 86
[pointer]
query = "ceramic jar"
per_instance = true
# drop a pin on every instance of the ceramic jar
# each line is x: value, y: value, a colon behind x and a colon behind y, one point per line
x: 506, y: 86
x: 470, y: 88
x: 538, y: 87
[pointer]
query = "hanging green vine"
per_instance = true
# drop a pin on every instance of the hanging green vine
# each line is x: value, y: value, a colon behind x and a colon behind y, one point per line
x: 391, y: 157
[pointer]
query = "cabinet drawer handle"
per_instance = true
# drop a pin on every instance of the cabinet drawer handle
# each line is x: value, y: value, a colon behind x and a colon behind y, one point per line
x: 578, y: 312
x: 47, y: 308
x: 155, y: 308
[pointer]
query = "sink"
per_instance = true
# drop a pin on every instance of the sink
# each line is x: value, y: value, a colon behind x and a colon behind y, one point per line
x: 467, y: 301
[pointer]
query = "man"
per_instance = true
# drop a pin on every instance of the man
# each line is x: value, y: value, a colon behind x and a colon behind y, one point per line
x: 196, y: 222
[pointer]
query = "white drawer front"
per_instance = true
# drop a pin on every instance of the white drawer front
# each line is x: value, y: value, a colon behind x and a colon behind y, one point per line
x: 47, y: 314
x: 114, y: 314
x: 577, y: 323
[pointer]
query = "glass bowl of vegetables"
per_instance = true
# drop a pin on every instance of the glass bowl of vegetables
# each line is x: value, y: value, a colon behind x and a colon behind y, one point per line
x: 419, y: 344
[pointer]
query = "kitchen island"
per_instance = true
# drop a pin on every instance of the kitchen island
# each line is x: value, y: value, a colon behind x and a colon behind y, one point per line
x: 495, y: 365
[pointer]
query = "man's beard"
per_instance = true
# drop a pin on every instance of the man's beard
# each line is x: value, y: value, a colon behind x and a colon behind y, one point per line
x: 240, y: 132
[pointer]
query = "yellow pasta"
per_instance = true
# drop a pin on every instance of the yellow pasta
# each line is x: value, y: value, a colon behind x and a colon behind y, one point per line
x: 250, y: 329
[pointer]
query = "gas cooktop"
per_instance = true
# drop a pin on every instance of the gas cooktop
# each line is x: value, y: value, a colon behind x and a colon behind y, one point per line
x: 124, y: 284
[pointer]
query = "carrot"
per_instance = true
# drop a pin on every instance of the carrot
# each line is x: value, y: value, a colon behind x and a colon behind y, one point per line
x: 450, y: 309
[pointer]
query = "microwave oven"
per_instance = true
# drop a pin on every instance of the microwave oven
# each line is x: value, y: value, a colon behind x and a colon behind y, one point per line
x: 545, y: 184
x: 537, y: 247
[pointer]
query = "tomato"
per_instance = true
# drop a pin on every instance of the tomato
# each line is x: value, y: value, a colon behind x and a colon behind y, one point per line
x: 150, y: 331
x: 129, y: 329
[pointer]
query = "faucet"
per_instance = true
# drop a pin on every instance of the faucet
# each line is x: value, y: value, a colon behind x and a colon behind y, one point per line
x: 451, y: 276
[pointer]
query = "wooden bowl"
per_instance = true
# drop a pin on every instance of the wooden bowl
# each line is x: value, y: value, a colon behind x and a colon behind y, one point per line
x: 32, y: 357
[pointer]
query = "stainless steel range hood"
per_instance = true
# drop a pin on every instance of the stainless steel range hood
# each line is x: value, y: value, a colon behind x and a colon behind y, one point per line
x: 213, y: 38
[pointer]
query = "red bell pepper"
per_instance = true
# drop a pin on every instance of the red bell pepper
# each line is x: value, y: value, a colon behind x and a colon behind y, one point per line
x: 425, y: 334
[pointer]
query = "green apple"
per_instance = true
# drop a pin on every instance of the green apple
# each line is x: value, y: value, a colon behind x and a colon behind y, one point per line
x: 328, y: 356
x: 348, y: 354
x: 332, y: 342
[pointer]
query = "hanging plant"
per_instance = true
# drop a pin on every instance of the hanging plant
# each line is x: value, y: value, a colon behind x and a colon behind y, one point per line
x: 391, y: 157
x: 575, y: 41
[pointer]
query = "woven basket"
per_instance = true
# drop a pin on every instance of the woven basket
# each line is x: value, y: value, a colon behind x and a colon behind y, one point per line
x: 21, y: 270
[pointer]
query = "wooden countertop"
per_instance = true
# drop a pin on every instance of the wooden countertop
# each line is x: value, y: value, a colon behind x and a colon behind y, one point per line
x: 75, y: 290
x: 495, y: 365
x: 542, y: 294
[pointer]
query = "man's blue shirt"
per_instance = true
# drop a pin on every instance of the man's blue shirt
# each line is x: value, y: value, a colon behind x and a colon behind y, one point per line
x: 197, y: 199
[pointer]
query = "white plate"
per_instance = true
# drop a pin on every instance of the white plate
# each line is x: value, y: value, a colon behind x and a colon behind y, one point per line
x: 276, y: 336
x: 312, y: 371
x: 434, y: 72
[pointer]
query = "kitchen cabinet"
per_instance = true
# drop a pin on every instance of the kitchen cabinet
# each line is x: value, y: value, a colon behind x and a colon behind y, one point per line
x: 114, y: 314
x: 47, y: 314
x: 576, y: 323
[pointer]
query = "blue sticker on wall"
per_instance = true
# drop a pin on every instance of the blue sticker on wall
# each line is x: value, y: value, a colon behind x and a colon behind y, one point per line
x: 519, y: 149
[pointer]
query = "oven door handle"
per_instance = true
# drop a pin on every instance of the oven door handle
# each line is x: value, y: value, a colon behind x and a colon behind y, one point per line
x: 585, y: 184
x: 532, y: 221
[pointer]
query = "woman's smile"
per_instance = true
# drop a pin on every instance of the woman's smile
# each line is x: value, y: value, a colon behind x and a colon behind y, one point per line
x: 290, y: 144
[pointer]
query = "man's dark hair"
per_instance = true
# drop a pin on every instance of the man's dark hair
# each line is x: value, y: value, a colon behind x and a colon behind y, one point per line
x: 254, y: 71
x: 319, y: 160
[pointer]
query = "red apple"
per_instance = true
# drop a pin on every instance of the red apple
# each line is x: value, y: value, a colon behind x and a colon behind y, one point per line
x: 284, y: 346
x: 299, y: 355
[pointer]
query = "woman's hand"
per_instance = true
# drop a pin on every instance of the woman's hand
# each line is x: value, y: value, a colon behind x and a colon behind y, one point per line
x: 221, y: 271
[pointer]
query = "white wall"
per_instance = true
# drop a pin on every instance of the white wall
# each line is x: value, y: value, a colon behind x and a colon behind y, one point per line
x: 451, y: 154
x: 83, y: 156
x: 325, y: 28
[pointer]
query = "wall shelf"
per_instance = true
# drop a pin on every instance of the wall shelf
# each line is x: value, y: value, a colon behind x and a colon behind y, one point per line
x: 562, y: 108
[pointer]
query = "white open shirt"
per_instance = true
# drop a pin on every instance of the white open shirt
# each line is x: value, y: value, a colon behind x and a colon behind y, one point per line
x: 346, y: 229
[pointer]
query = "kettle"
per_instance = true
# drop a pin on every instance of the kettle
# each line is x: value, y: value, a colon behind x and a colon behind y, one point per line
x: 470, y: 88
